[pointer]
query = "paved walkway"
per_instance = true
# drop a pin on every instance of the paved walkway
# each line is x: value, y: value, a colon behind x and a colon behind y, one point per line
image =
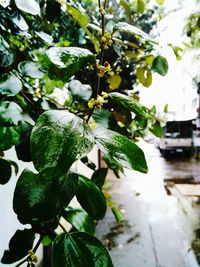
x: 157, y: 229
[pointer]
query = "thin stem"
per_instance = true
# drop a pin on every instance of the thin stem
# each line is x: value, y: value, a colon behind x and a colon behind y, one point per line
x: 63, y: 228
x: 34, y: 250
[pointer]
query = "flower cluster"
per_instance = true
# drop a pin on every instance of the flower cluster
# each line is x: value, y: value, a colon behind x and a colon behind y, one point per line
x: 99, y: 101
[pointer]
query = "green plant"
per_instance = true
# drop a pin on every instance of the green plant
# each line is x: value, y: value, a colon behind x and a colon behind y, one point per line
x: 96, y: 63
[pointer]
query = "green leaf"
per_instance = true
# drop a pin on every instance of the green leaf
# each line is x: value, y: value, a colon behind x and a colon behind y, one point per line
x: 102, y: 117
x: 23, y: 147
x: 31, y: 69
x: 19, y: 245
x: 78, y: 250
x: 160, y: 65
x: 80, y: 220
x: 41, y: 197
x: 6, y: 55
x: 126, y: 7
x: 5, y: 171
x: 79, y: 91
x: 156, y: 129
x: 144, y: 76
x: 129, y: 103
x: 160, y: 2
x: 71, y: 59
x: 30, y: 6
x: 58, y: 139
x: 83, y: 21
x: 91, y: 198
x: 117, y: 214
x: 166, y: 108
x: 9, y: 136
x: 119, y: 151
x: 130, y: 29
x: 99, y: 177
x: 10, y: 85
x: 140, y: 6
x: 10, y: 113
x: 178, y: 51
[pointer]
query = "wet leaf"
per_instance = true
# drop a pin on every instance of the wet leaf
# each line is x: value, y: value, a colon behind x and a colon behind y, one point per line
x: 160, y: 65
x: 91, y: 198
x: 10, y: 85
x: 30, y: 6
x: 58, y: 139
x: 31, y: 69
x: 130, y: 29
x: 10, y: 113
x: 41, y: 197
x: 6, y: 55
x: 80, y: 220
x: 45, y: 37
x: 78, y: 250
x: 119, y: 151
x: 80, y: 91
x: 19, y: 245
x: 144, y: 76
x: 102, y: 117
x: 129, y: 103
x: 5, y: 171
x: 99, y: 177
x: 70, y: 58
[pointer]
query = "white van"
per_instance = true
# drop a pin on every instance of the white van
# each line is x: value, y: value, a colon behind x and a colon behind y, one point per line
x: 177, y: 138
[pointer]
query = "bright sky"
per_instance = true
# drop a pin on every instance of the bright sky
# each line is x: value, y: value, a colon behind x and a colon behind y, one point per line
x: 168, y: 89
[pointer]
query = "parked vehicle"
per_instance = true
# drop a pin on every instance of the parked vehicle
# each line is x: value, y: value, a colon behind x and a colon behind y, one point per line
x: 177, y: 138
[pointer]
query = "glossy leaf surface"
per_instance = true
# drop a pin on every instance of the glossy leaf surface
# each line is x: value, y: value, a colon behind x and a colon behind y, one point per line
x: 10, y: 113
x: 91, y: 198
x: 40, y: 197
x: 30, y: 69
x: 58, y: 139
x: 130, y: 29
x: 129, y: 103
x: 119, y: 151
x: 30, y: 6
x: 80, y: 220
x: 78, y: 250
x: 70, y: 58
x: 10, y: 85
x: 80, y: 91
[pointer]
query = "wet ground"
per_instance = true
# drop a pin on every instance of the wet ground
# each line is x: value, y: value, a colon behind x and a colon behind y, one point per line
x: 159, y: 217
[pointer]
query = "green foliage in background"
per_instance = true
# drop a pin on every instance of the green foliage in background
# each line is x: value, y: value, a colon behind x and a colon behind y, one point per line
x: 69, y: 75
